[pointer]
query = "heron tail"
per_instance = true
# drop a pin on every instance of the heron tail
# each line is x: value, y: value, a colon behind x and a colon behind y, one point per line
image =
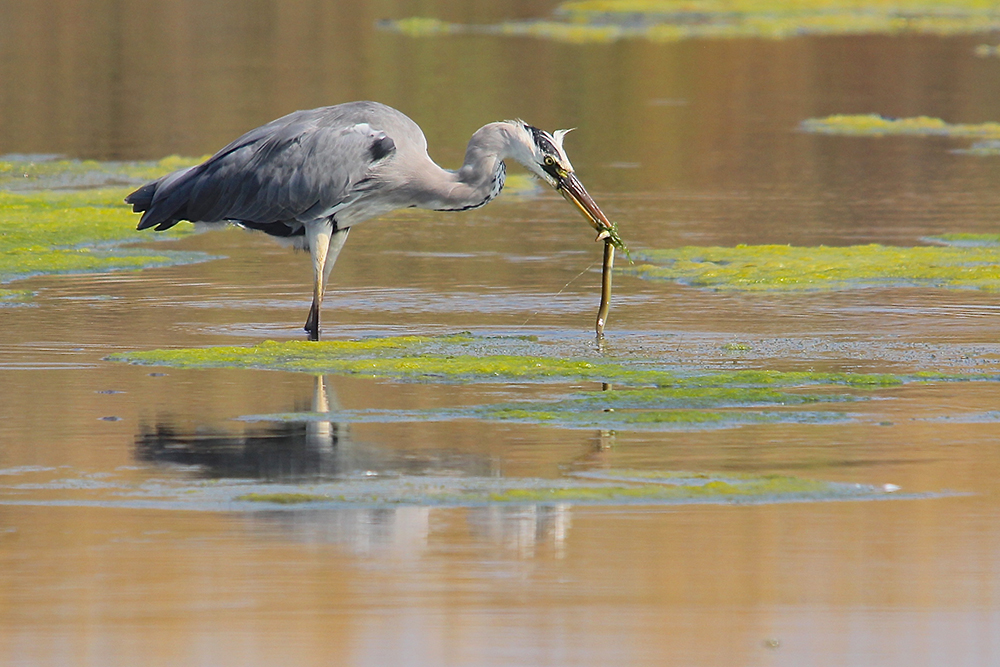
x: 142, y: 198
x: 162, y: 202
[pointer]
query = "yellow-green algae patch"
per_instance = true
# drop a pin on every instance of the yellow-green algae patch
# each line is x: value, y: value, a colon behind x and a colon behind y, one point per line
x: 709, y: 400
x: 790, y: 268
x: 648, y: 393
x: 284, y: 498
x: 687, y: 405
x: 404, y: 357
x: 599, y: 494
x: 706, y: 485
x: 14, y: 297
x: 686, y: 417
x: 652, y: 419
x: 47, y: 173
x: 689, y: 394
x: 467, y: 358
x: 874, y: 125
x: 76, y: 231
x: 596, y: 486
x: 673, y: 20
x: 714, y: 483
x: 772, y: 378
x: 664, y: 406
x: 666, y: 486
x: 611, y: 487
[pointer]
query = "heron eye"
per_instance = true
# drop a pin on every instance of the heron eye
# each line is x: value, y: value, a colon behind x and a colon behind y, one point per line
x: 549, y: 161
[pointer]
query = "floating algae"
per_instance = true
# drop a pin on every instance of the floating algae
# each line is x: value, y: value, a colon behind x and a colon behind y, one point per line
x: 467, y: 358
x: 667, y: 408
x: 612, y: 487
x: 649, y: 393
x: 46, y: 172
x: 14, y: 297
x: 680, y: 486
x: 671, y: 408
x: 874, y: 125
x: 286, y: 498
x: 78, y: 231
x: 602, y: 487
x: 789, y: 268
x: 709, y: 483
x: 688, y: 396
x: 403, y: 357
x: 673, y: 20
x: 654, y: 420
x: 714, y: 400
x: 772, y: 378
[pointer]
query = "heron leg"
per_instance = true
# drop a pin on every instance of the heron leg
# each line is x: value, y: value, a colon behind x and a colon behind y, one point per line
x: 324, y: 246
x: 318, y: 236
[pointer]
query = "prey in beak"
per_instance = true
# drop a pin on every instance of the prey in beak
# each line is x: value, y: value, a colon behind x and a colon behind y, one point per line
x: 573, y: 191
x: 569, y: 186
x: 546, y: 158
x: 556, y: 170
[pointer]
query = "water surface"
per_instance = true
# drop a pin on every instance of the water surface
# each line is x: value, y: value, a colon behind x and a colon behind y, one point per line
x: 691, y: 143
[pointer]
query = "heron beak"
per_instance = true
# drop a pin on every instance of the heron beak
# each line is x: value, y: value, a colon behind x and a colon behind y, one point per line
x: 570, y: 187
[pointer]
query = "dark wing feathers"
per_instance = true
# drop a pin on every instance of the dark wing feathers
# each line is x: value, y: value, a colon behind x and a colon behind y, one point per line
x: 296, y: 169
x: 381, y: 147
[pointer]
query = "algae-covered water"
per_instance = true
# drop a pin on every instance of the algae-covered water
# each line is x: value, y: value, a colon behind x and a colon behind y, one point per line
x: 785, y: 454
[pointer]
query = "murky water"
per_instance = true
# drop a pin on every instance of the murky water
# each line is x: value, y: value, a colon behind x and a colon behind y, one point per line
x: 690, y: 143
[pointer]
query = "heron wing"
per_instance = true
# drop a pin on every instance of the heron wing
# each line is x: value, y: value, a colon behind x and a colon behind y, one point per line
x: 298, y: 168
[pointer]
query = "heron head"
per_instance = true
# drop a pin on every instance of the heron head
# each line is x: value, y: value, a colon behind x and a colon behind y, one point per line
x: 543, y: 154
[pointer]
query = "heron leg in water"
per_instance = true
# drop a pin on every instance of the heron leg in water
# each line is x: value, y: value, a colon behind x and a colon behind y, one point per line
x: 324, y: 246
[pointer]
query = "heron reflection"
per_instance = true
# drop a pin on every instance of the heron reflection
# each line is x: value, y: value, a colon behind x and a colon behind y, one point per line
x: 407, y: 531
x: 315, y: 447
x: 276, y: 451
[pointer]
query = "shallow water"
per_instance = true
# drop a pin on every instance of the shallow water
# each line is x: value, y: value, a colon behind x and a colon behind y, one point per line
x: 107, y: 557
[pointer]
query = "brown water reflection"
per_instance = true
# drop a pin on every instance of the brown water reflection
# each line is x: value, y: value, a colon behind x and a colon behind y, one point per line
x: 689, y: 143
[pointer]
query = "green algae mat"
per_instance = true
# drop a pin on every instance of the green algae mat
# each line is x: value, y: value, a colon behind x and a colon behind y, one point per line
x: 959, y: 261
x: 65, y: 487
x: 584, y: 21
x: 466, y: 357
x: 606, y: 487
x: 51, y: 222
x: 636, y: 393
x: 874, y: 125
x: 35, y: 173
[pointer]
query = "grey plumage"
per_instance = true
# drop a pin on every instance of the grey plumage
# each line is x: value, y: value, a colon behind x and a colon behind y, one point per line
x: 311, y: 175
x: 290, y: 171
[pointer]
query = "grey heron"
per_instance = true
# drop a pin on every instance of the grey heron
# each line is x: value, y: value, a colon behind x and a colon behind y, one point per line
x: 310, y: 176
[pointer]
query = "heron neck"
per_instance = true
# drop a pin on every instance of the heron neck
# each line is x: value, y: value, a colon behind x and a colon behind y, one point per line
x: 480, y: 178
